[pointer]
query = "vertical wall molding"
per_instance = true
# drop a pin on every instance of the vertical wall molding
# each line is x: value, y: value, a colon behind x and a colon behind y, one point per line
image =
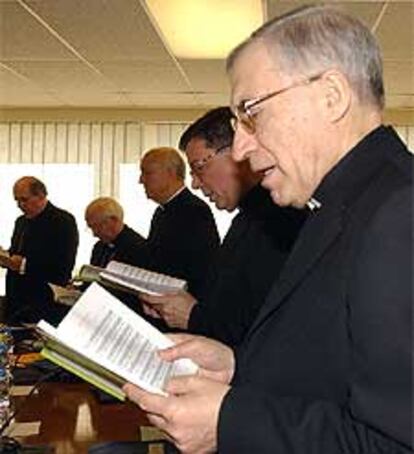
x: 106, y: 145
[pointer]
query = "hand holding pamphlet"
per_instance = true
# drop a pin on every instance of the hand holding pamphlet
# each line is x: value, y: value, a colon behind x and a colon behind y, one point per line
x: 106, y: 343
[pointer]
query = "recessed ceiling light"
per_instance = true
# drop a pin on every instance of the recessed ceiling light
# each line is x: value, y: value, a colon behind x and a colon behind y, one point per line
x: 205, y: 28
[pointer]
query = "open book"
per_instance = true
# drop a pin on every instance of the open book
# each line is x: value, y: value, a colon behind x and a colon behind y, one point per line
x: 89, y: 273
x: 107, y: 344
x: 131, y: 278
x: 64, y: 295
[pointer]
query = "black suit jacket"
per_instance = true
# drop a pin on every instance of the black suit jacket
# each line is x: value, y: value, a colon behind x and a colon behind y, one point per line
x: 183, y: 239
x: 49, y: 243
x: 327, y: 366
x: 250, y: 258
x: 128, y: 247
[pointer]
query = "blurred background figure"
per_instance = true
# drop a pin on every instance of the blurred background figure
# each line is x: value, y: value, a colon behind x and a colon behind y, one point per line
x: 43, y: 249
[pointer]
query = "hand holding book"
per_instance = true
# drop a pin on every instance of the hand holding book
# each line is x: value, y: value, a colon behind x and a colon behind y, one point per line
x: 107, y: 344
x: 131, y: 279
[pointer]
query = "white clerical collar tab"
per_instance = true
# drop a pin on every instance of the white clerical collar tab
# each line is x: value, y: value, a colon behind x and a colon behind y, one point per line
x: 313, y: 204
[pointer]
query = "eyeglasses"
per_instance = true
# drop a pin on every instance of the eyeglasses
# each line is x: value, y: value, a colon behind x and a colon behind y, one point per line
x: 197, y: 167
x: 244, y: 114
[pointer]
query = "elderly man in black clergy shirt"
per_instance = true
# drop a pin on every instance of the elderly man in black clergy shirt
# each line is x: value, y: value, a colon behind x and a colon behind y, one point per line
x: 183, y: 235
x: 254, y: 249
x: 105, y: 217
x: 43, y: 249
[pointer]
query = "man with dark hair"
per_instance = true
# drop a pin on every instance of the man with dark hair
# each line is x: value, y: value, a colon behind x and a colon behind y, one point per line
x: 43, y: 249
x: 327, y: 366
x: 254, y: 249
x: 183, y: 236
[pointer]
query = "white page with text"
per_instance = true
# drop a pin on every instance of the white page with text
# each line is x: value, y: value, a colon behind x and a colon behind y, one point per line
x: 103, y: 329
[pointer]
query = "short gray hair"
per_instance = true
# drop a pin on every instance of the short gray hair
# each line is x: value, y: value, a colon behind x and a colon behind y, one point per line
x: 105, y: 207
x: 315, y: 38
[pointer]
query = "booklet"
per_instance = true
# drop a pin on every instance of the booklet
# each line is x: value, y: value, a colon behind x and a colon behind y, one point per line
x: 107, y: 344
x: 64, y: 295
x: 89, y: 273
x: 131, y: 278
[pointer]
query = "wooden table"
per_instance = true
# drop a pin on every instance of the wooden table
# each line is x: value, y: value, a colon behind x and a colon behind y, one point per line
x: 72, y: 418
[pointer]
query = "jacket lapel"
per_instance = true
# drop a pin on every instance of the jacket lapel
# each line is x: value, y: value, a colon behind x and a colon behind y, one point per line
x: 319, y: 232
x: 237, y: 229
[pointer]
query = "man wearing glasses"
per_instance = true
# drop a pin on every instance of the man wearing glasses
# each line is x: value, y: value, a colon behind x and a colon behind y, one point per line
x: 254, y: 249
x: 326, y: 367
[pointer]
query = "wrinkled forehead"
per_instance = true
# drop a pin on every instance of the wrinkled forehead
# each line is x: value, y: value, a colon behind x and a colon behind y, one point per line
x: 197, y: 146
x: 22, y: 190
x: 253, y: 71
x: 153, y: 162
x: 94, y: 215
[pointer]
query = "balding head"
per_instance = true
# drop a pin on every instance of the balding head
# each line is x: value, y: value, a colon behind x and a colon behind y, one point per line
x: 31, y: 195
x: 167, y: 157
x: 162, y: 173
x: 104, y: 217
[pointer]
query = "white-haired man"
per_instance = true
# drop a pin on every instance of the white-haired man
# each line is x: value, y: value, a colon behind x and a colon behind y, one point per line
x: 116, y: 241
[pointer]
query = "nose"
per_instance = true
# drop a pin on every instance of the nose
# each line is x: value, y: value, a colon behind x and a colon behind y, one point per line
x: 195, y: 181
x: 243, y: 144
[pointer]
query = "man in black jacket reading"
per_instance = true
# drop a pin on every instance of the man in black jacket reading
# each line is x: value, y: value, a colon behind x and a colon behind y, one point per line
x: 326, y: 367
x: 43, y: 249
x: 183, y: 237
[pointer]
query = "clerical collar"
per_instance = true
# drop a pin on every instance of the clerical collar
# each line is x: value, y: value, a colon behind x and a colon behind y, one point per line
x: 313, y: 205
x: 173, y: 196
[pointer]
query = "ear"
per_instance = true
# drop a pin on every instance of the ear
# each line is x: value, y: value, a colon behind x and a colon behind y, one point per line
x: 337, y: 95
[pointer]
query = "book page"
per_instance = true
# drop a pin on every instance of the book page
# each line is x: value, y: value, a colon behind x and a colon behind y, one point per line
x: 103, y: 329
x: 89, y: 273
x: 141, y: 279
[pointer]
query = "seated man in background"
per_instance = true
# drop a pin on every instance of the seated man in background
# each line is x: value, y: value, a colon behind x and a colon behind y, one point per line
x: 43, y: 249
x: 105, y: 217
x: 254, y: 249
x: 183, y: 235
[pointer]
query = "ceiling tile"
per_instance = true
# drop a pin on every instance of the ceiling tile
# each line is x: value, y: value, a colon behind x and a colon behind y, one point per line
x: 104, y: 30
x: 158, y: 100
x: 366, y: 11
x: 144, y: 77
x: 61, y: 75
x: 395, y: 31
x: 206, y: 75
x: 24, y: 38
x: 399, y: 77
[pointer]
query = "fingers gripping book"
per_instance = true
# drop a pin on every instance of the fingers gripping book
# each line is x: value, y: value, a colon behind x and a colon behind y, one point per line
x: 104, y: 342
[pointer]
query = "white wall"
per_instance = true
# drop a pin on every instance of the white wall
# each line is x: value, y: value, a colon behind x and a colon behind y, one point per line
x: 79, y: 161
